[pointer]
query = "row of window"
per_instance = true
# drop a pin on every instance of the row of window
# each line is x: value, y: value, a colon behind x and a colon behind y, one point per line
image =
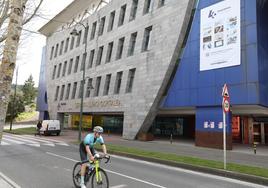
x: 132, y: 16
x: 120, y: 47
x: 65, y: 95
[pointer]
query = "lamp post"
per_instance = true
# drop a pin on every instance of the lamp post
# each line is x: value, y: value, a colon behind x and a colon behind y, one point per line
x: 75, y: 33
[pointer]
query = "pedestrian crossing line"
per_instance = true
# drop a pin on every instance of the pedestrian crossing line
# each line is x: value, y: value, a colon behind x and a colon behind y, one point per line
x: 48, y: 139
x: 58, y: 142
x: 13, y: 141
x: 22, y: 139
x: 44, y: 142
x: 4, y: 143
x: 30, y: 140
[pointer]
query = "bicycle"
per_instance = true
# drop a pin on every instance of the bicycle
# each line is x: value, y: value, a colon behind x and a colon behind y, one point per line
x: 99, y: 177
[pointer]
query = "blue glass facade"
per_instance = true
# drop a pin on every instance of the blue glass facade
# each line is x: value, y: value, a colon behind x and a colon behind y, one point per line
x: 247, y: 83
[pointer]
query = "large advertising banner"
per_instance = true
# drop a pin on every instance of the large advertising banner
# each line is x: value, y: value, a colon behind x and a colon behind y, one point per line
x: 220, y: 35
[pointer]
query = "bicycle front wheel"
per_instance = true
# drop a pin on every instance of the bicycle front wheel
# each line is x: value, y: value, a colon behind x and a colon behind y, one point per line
x: 99, y: 180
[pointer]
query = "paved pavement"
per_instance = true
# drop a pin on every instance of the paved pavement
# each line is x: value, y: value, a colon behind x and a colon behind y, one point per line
x: 241, y: 154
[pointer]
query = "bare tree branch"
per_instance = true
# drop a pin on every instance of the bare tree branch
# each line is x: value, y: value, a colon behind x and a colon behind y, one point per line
x: 33, y: 14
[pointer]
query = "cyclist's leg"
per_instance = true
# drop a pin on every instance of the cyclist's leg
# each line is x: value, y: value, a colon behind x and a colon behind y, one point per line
x: 83, y: 156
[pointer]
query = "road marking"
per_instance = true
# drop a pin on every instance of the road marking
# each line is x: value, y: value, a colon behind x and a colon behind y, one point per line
x: 118, y: 186
x: 192, y: 172
x: 119, y: 174
x: 48, y: 140
x: 9, y: 181
x: 27, y: 142
x: 14, y: 141
x: 126, y: 176
x: 32, y: 138
x: 4, y: 143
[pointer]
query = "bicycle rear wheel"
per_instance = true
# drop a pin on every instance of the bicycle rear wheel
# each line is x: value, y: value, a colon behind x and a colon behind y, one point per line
x: 102, y: 182
x: 77, y: 175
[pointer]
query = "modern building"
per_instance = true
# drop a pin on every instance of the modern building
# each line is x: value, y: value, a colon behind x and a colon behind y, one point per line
x: 158, y: 68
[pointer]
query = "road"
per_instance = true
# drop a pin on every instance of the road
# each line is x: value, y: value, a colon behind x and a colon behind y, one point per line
x: 38, y: 162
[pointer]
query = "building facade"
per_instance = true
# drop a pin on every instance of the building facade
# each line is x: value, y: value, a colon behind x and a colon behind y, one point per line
x: 129, y: 49
x: 158, y: 68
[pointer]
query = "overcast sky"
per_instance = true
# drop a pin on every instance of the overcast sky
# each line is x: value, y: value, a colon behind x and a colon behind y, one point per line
x: 30, y: 50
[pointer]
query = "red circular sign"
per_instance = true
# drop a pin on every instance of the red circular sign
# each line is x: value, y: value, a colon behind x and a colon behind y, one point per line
x: 226, y: 105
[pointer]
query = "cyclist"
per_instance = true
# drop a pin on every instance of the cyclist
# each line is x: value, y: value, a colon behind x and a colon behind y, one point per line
x: 86, y: 149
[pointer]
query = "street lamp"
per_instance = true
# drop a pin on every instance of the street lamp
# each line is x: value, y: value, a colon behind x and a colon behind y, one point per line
x: 75, y: 33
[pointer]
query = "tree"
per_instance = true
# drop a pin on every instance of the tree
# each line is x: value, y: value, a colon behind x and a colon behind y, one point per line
x: 15, y: 106
x: 29, y: 91
x: 12, y: 16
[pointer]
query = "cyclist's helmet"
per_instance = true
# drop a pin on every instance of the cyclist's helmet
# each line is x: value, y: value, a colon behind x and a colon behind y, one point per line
x: 98, y: 129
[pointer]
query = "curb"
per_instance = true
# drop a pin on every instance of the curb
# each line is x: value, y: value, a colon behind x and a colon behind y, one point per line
x: 219, y: 172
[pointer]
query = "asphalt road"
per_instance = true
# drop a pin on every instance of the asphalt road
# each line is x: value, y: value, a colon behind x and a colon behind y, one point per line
x: 50, y: 165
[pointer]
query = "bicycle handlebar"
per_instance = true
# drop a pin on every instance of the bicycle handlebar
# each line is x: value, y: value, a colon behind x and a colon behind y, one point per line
x: 99, y: 157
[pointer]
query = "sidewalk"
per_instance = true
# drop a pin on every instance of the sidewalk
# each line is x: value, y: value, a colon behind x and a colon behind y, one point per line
x: 241, y: 154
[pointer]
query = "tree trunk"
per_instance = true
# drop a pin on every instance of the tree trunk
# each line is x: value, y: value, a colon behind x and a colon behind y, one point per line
x: 9, y: 57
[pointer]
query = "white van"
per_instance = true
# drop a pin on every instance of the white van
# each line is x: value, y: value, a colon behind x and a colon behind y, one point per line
x: 50, y: 127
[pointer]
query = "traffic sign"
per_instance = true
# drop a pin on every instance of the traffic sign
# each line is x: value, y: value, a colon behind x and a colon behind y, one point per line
x: 225, y: 92
x: 226, y: 105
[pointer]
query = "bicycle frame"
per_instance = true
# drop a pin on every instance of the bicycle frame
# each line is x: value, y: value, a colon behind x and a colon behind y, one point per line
x: 98, y: 175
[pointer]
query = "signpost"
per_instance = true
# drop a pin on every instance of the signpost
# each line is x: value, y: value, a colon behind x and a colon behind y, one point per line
x: 226, y: 109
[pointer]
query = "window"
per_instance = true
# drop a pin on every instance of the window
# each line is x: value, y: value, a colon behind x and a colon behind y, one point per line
x: 161, y: 3
x: 76, y: 64
x: 97, y: 86
x: 54, y: 72
x: 132, y: 43
x: 91, y: 58
x: 89, y: 87
x: 51, y: 53
x: 61, y: 47
x: 66, y: 45
x: 78, y: 38
x: 122, y: 15
x: 59, y: 70
x: 111, y: 21
x: 64, y: 68
x: 72, y: 43
x: 107, y: 84
x: 62, y: 92
x: 70, y: 66
x: 85, y: 35
x: 130, y: 80
x: 83, y: 61
x: 80, y: 89
x: 133, y: 10
x: 68, y: 91
x: 93, y: 30
x: 57, y: 93
x: 101, y: 26
x: 118, y: 82
x: 146, y: 8
x: 109, y: 52
x: 99, y: 56
x: 74, y: 90
x: 146, y: 38
x: 120, y: 48
x: 56, y: 51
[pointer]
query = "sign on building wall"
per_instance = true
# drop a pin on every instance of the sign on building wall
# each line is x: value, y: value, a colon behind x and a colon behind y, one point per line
x: 220, y: 35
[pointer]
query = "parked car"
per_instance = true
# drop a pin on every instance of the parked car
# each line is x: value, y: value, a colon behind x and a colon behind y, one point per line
x: 50, y: 127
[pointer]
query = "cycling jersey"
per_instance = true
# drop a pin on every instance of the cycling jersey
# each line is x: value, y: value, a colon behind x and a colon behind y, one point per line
x: 91, y: 140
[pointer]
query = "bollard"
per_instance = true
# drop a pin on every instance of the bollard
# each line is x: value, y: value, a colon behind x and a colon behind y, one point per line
x: 255, y: 147
x: 171, y: 139
x: 108, y: 132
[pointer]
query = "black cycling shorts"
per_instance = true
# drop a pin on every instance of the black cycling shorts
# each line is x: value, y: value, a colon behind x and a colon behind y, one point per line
x: 83, y: 152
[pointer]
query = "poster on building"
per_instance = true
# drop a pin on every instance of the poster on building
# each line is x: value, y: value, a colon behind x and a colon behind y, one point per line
x: 220, y: 35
